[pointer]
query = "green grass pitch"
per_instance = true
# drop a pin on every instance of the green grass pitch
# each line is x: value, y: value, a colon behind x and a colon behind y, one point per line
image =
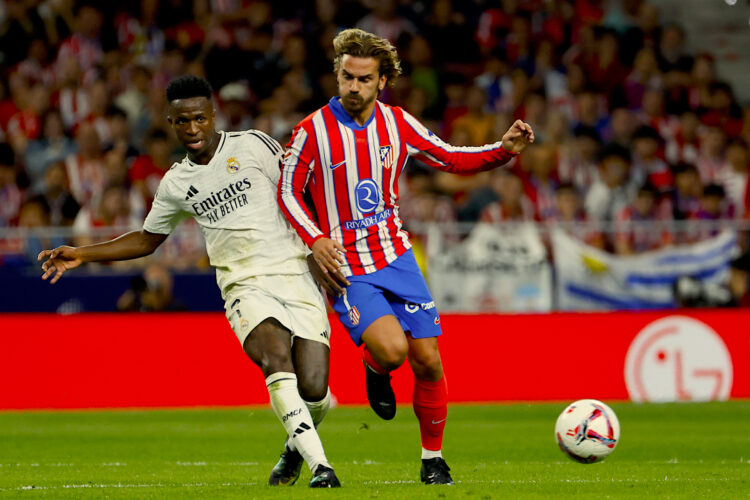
x: 495, y: 451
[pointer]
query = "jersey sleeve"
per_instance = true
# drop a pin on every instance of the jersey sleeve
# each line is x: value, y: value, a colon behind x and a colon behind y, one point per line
x: 430, y: 149
x: 165, y: 211
x: 269, y: 153
x: 298, y: 165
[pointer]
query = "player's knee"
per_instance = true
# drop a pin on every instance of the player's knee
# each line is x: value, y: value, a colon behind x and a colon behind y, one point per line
x: 312, y: 386
x: 427, y: 365
x: 392, y: 356
x: 269, y: 348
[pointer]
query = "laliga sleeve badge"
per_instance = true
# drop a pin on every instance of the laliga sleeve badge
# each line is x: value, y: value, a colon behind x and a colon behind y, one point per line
x: 233, y: 166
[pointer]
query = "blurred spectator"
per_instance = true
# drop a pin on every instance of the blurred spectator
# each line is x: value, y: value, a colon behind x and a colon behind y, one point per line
x: 612, y: 191
x: 119, y: 134
x: 648, y: 166
x: 10, y: 194
x: 476, y: 121
x: 134, y: 98
x: 739, y: 281
x: 578, y: 162
x: 53, y: 146
x: 671, y: 55
x: 645, y: 75
x: 84, y: 45
x: 541, y: 180
x: 385, y: 22
x: 684, y: 199
x: 234, y: 111
x: 111, y: 211
x: 147, y: 170
x: 714, y: 208
x: 690, y: 292
x: 734, y: 175
x: 570, y: 215
x: 151, y: 292
x: 35, y: 216
x: 702, y: 76
x: 85, y: 169
x: 685, y: 145
x: 723, y: 110
x: 711, y: 155
x: 640, y: 225
x: 622, y: 124
x: 513, y: 205
x: 63, y: 207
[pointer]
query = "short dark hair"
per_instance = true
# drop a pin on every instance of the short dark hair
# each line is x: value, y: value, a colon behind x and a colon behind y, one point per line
x: 613, y: 149
x: 715, y: 190
x: 684, y: 168
x: 188, y: 86
x: 647, y: 132
x: 649, y: 189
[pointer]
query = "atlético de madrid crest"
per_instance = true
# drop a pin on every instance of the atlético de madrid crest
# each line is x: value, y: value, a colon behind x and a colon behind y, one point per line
x: 386, y: 156
x: 233, y: 166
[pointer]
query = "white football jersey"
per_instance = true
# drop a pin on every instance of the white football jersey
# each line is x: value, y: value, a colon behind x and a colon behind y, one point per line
x: 233, y: 199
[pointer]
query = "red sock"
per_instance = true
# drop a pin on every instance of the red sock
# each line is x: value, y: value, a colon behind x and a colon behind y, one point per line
x: 372, y: 363
x: 431, y: 408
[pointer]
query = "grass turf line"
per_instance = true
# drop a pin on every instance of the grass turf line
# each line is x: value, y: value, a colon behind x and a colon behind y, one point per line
x: 495, y: 451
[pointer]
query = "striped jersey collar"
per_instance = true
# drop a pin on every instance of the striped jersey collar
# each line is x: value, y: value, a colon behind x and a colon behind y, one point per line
x: 341, y: 115
x: 218, y: 149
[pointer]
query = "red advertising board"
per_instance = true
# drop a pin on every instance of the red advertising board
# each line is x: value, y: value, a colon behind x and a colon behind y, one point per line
x: 158, y: 360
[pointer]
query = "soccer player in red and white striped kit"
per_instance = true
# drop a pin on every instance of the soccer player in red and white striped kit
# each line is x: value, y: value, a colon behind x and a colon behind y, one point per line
x: 349, y: 155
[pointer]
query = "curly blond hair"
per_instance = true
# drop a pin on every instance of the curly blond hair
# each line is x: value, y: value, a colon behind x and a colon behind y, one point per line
x: 359, y: 43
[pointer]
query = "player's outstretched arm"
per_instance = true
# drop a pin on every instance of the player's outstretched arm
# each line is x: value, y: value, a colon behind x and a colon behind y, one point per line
x: 128, y: 246
x: 518, y: 136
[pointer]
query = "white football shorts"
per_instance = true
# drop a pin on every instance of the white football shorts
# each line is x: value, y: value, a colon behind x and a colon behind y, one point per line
x: 293, y: 299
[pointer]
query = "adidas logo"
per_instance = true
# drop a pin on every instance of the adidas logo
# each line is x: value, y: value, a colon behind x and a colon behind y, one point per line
x: 302, y: 428
x: 191, y: 192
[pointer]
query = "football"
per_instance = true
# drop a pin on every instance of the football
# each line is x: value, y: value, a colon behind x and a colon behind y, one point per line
x: 587, y: 431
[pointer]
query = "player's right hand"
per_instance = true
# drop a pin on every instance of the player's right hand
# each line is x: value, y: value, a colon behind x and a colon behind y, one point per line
x: 333, y: 283
x: 329, y: 254
x: 58, y: 261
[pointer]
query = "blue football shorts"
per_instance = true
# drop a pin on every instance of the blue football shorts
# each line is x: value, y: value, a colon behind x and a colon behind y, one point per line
x: 398, y: 289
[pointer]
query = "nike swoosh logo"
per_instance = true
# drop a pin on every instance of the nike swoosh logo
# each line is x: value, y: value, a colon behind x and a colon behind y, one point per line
x: 438, y: 422
x: 338, y: 164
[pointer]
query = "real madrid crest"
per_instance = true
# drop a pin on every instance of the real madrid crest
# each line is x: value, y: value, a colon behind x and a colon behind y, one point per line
x: 233, y: 166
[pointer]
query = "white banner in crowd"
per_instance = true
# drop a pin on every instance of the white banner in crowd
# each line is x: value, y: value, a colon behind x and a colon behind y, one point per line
x: 590, y: 279
x: 494, y: 270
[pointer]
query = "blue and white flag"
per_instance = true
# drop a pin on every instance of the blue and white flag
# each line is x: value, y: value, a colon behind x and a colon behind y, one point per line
x: 590, y: 279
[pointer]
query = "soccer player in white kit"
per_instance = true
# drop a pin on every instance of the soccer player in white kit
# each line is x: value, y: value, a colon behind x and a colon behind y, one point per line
x: 228, y: 183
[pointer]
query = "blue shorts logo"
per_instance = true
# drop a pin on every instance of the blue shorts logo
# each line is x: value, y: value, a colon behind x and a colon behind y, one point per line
x: 367, y: 195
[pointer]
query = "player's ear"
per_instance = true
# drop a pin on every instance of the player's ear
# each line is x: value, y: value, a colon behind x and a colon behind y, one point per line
x: 382, y: 82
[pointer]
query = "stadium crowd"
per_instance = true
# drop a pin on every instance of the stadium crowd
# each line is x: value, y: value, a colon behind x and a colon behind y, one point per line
x: 629, y: 126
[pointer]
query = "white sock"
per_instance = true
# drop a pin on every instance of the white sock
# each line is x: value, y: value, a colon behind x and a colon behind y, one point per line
x: 427, y: 454
x: 295, y: 417
x: 318, y: 411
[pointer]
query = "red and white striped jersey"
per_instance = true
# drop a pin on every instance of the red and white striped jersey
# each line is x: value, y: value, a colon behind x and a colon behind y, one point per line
x: 352, y: 173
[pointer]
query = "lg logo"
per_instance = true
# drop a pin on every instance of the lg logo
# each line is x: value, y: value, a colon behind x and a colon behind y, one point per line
x: 367, y: 195
x: 678, y: 358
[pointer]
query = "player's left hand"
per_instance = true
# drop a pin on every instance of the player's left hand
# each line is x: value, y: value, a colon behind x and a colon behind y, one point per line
x: 518, y: 136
